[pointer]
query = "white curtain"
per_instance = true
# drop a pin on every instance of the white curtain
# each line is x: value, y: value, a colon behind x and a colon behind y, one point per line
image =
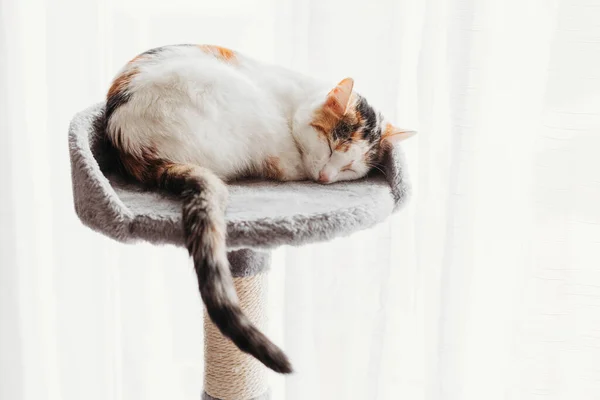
x: 486, y: 286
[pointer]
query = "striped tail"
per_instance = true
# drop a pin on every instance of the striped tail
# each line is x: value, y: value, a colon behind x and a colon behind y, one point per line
x: 204, y: 197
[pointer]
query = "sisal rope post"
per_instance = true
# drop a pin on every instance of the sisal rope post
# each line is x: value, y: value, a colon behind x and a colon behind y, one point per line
x: 230, y: 374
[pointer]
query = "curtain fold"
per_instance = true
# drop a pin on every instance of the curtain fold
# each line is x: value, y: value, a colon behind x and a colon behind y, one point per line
x: 485, y: 286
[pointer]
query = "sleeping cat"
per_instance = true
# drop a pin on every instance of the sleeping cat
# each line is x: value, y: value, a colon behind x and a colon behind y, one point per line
x: 187, y: 118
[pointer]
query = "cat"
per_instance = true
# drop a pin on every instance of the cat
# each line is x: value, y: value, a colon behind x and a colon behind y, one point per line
x: 188, y: 118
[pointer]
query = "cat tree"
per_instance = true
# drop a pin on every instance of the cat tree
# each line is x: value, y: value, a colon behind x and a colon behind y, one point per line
x: 260, y: 216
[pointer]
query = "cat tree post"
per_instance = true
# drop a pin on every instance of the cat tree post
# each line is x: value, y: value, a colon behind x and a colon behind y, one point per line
x: 228, y: 373
x: 260, y: 216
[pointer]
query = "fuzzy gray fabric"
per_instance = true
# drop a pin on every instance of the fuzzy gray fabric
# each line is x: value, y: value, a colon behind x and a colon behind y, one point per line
x: 260, y: 214
x: 246, y: 262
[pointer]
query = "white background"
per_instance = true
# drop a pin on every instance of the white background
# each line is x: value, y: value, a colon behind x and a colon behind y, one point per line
x: 486, y: 286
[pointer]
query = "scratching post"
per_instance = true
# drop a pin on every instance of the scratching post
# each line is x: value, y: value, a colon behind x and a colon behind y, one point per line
x: 260, y: 216
x: 230, y: 374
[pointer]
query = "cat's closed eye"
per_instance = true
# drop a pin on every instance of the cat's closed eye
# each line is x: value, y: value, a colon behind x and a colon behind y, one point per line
x: 343, y: 146
x: 347, y: 167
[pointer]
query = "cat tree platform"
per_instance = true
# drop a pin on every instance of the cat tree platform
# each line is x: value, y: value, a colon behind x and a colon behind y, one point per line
x: 260, y: 216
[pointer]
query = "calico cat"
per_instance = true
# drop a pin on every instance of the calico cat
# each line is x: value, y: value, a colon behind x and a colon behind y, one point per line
x: 187, y: 118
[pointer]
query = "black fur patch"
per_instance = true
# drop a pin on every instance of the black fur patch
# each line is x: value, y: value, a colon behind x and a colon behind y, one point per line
x: 371, y: 130
x: 344, y: 129
x: 115, y: 101
x: 158, y: 50
x: 177, y: 179
x: 102, y: 148
x: 153, y: 51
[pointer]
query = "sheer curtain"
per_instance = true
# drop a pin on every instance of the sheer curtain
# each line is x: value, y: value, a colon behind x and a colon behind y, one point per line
x: 486, y: 286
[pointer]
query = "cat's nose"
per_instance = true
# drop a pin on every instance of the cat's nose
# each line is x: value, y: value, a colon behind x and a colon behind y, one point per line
x: 325, y: 176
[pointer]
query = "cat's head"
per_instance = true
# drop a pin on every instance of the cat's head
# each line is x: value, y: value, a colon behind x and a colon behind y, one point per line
x: 341, y: 136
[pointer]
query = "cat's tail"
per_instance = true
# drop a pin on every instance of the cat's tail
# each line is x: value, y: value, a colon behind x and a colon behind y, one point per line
x: 204, y: 198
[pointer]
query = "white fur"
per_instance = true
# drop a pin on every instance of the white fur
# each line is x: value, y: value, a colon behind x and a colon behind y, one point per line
x: 190, y: 107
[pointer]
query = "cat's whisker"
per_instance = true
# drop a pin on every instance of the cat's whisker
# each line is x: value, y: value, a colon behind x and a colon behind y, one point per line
x: 379, y: 169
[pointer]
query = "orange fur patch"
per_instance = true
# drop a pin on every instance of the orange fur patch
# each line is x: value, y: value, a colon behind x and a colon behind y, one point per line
x: 222, y: 53
x: 145, y: 168
x: 174, y: 169
x: 389, y: 131
x: 122, y: 81
x: 325, y: 120
x: 137, y: 58
x: 338, y: 98
x: 272, y: 169
x: 344, y: 146
x: 356, y: 136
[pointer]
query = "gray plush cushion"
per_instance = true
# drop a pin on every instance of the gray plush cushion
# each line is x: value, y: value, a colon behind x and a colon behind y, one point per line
x: 259, y: 215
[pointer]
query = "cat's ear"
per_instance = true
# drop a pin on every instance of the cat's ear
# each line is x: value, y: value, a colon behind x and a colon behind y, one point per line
x: 339, y: 97
x: 392, y: 135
